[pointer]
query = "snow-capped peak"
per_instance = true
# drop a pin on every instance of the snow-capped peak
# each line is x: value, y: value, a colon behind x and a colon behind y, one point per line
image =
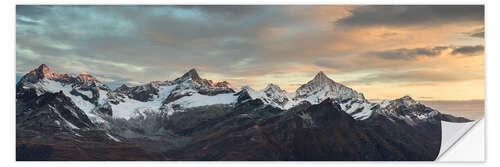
x: 191, y: 79
x: 276, y: 96
x: 272, y: 95
x: 322, y: 87
x: 321, y: 77
x: 43, y: 71
x: 272, y: 88
x: 406, y: 109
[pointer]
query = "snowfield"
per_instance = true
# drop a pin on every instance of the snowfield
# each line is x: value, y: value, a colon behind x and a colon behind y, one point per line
x: 197, y: 100
x: 129, y: 107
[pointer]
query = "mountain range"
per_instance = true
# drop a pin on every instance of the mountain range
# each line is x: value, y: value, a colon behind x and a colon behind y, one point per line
x: 67, y: 117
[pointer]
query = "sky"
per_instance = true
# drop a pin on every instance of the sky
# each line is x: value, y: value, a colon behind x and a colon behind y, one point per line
x: 432, y: 53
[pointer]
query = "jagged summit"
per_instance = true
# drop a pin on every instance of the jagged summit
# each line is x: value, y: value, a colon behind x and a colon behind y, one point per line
x: 192, y: 79
x: 406, y: 97
x: 86, y: 77
x: 43, y: 67
x: 44, y: 71
x: 322, y: 87
x: 42, y: 80
x: 191, y: 74
x: 39, y: 73
x: 273, y: 88
x: 407, y: 100
x: 321, y: 79
x: 223, y: 84
x: 321, y: 76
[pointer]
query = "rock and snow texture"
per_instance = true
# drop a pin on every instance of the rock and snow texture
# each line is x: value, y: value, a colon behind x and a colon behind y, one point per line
x: 314, y: 92
x: 406, y: 109
x: 271, y: 95
x: 47, y: 85
x: 90, y: 95
x: 48, y: 101
x: 353, y: 103
x: 322, y: 87
x: 190, y: 90
x: 197, y: 100
x: 128, y: 107
x: 359, y: 110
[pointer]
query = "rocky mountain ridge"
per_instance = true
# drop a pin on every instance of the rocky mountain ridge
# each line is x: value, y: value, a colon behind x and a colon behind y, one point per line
x: 165, y: 117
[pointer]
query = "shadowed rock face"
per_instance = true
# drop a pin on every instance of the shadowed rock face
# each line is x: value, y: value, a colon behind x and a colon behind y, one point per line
x: 49, y: 112
x: 89, y: 145
x: 317, y: 132
x: 39, y: 73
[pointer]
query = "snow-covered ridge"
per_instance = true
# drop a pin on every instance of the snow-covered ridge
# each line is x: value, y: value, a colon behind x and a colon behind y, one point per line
x: 47, y: 85
x: 90, y: 95
x: 190, y: 90
x: 271, y: 95
x: 406, y: 109
x: 315, y: 91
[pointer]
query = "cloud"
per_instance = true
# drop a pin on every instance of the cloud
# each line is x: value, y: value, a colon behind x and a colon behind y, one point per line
x: 335, y: 64
x: 249, y: 45
x: 468, y: 50
x: 228, y: 11
x: 414, y: 53
x: 26, y: 22
x: 409, y: 54
x: 417, y: 76
x: 478, y: 34
x: 30, y: 11
x: 414, y: 15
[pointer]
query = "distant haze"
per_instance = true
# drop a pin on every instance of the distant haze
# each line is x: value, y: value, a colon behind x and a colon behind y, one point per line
x: 472, y: 109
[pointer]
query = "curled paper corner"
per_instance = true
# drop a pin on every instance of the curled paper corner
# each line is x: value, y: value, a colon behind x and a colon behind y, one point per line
x: 452, y: 132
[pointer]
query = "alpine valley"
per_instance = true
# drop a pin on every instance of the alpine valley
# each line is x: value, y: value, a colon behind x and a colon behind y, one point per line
x: 67, y: 117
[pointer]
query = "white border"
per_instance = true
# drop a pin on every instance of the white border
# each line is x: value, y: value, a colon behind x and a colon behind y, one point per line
x: 469, y: 147
x: 8, y: 85
x: 267, y: 2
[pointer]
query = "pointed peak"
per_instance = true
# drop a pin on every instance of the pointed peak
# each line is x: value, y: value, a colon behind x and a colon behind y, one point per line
x: 193, y: 71
x: 193, y: 74
x: 321, y: 78
x: 43, y: 71
x: 43, y: 67
x: 274, y: 88
x: 321, y: 75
